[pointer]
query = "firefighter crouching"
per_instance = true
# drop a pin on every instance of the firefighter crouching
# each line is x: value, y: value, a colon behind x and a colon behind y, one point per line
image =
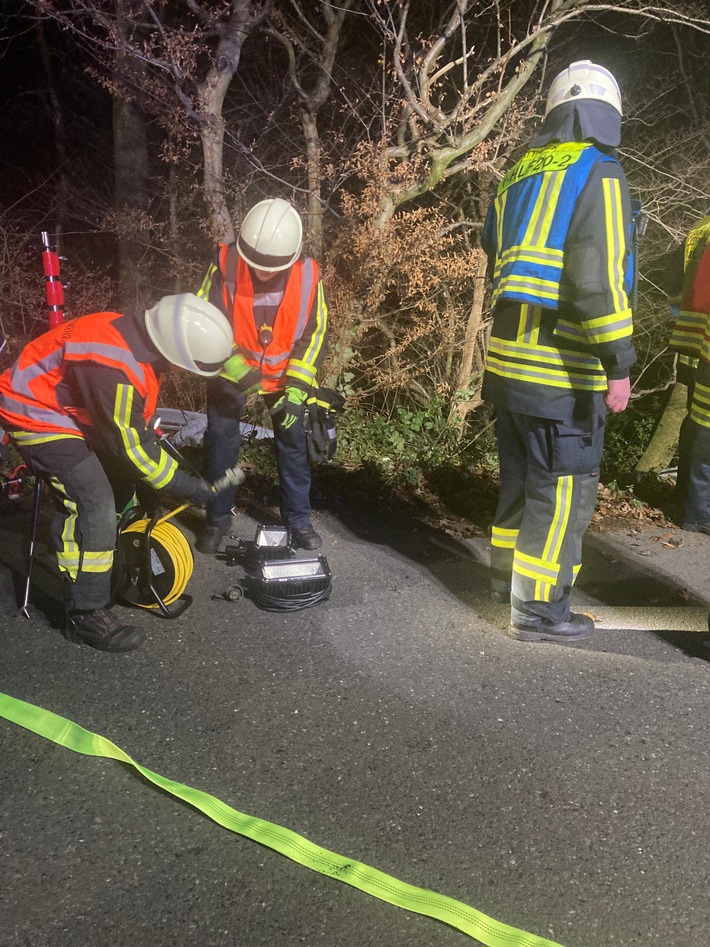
x: 78, y: 404
x: 274, y: 298
x: 560, y: 348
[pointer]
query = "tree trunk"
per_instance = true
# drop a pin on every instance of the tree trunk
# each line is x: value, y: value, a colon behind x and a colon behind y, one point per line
x: 661, y: 447
x: 471, y: 349
x: 314, y: 227
x: 130, y: 151
x: 243, y: 18
x: 130, y: 157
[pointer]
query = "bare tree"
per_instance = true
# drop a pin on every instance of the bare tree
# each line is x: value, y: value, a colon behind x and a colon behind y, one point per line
x: 176, y: 60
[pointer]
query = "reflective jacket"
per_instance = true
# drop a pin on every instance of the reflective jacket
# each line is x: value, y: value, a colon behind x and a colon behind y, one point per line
x: 295, y: 344
x: 96, y: 377
x: 556, y: 236
x: 691, y: 333
x: 33, y: 394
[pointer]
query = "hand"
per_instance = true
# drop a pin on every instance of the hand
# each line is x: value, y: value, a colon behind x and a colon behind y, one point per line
x: 618, y: 394
x: 202, y: 492
x: 289, y: 408
x: 239, y: 371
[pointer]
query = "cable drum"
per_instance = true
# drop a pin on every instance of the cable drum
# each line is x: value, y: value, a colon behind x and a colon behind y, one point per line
x: 171, y: 563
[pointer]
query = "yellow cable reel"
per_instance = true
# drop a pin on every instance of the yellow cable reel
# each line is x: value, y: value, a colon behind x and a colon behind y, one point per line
x: 171, y: 562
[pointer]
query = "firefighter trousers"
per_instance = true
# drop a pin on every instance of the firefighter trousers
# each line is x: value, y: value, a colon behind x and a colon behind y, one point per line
x: 225, y: 407
x: 84, y: 527
x: 549, y: 473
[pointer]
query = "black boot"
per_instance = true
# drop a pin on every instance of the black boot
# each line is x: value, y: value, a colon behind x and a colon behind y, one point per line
x: 305, y: 537
x: 576, y: 628
x: 210, y: 539
x: 101, y: 629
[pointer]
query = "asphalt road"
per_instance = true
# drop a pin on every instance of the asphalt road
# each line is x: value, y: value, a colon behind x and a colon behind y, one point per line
x: 562, y: 790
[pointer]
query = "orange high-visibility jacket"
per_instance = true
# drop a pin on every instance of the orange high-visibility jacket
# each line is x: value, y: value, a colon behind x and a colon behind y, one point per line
x: 33, y: 396
x: 297, y: 344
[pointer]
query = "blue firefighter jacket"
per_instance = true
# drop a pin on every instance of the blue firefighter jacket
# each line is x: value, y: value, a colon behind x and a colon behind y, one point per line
x: 556, y: 236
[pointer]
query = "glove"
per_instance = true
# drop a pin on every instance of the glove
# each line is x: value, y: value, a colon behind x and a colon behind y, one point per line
x: 245, y: 377
x: 289, y: 408
x: 618, y: 394
x: 194, y: 489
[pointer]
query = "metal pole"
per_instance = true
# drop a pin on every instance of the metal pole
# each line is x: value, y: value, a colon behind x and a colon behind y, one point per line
x: 53, y: 284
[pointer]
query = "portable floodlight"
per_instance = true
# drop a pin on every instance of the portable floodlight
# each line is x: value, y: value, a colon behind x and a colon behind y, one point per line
x: 268, y: 537
x: 289, y: 584
x: 270, y: 542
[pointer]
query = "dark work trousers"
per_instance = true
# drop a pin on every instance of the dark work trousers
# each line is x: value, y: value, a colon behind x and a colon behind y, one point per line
x: 84, y: 527
x: 549, y: 473
x: 693, y: 480
x: 225, y: 407
x: 685, y: 438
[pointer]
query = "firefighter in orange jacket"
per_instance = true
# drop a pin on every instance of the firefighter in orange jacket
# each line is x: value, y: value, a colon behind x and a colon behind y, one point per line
x: 78, y: 404
x: 275, y: 300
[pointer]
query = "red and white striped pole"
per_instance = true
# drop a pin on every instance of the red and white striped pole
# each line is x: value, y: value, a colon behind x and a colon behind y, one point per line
x: 53, y: 284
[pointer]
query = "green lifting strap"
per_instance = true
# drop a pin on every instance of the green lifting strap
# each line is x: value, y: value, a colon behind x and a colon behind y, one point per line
x: 486, y: 930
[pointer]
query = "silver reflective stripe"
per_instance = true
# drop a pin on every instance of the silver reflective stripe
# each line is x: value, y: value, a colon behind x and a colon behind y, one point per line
x: 36, y: 412
x: 306, y: 287
x: 22, y: 378
x: 268, y: 299
x: 268, y: 359
x: 115, y: 353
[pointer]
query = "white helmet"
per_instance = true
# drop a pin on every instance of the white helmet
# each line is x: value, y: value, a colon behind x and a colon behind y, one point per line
x: 271, y: 235
x: 191, y: 333
x: 584, y: 80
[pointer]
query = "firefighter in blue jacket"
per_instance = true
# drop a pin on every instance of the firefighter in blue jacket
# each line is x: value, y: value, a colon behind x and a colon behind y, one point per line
x: 560, y: 348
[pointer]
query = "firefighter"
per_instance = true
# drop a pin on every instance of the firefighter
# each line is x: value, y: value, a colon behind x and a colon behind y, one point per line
x: 560, y: 348
x: 274, y: 297
x: 78, y: 404
x: 689, y: 272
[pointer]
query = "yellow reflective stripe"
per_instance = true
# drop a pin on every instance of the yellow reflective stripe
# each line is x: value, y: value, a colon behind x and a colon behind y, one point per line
x: 318, y: 337
x: 529, y: 326
x: 616, y: 242
x: 298, y: 369
x: 546, y: 376
x: 700, y: 406
x: 500, y: 204
x: 560, y: 520
x: 95, y: 562
x: 157, y: 475
x: 504, y: 538
x: 555, y: 536
x: 547, y: 256
x: 688, y: 332
x: 545, y: 355
x: 545, y: 206
x: 605, y: 331
x: 68, y: 555
x: 546, y: 289
x: 204, y: 291
x: 32, y: 437
x: 618, y: 325
x: 534, y: 567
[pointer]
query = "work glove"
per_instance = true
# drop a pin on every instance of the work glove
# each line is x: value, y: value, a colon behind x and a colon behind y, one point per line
x: 200, y: 491
x: 289, y: 408
x: 245, y: 376
x: 618, y: 394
